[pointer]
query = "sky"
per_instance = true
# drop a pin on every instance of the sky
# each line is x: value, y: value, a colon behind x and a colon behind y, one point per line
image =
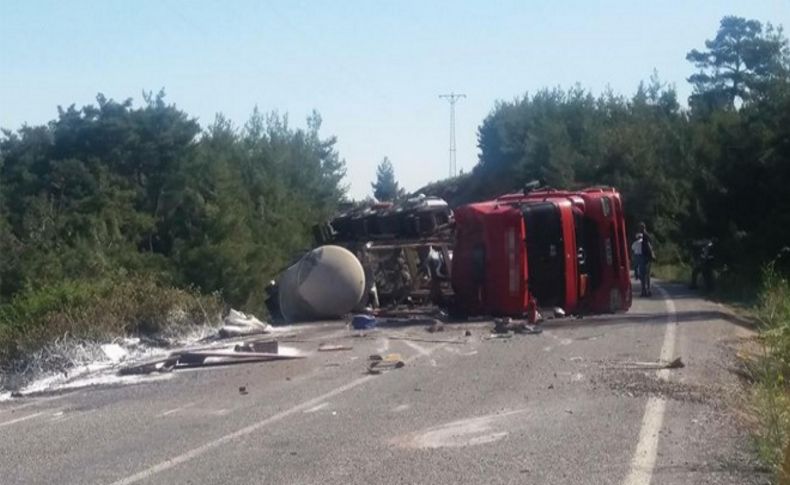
x: 374, y: 70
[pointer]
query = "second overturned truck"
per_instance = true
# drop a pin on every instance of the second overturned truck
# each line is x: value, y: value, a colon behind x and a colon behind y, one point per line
x: 508, y: 256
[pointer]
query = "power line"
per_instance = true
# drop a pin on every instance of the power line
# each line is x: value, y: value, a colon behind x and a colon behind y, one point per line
x: 452, y: 98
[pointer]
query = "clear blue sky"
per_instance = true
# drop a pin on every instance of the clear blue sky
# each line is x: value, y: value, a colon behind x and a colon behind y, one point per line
x: 373, y: 69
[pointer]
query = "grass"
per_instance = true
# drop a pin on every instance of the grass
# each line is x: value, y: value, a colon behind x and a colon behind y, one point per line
x: 96, y: 311
x: 771, y: 372
x: 674, y: 272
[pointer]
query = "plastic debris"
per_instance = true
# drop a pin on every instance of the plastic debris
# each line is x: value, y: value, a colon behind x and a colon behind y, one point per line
x: 363, y: 322
x: 237, y: 324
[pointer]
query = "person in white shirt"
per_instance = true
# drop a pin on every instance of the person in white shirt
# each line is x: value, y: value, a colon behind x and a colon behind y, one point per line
x: 636, y: 249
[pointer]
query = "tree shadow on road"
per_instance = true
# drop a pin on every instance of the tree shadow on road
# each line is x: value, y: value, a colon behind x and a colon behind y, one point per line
x: 683, y: 317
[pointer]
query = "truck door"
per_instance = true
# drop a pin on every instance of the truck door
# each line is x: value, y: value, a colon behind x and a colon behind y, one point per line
x: 545, y: 253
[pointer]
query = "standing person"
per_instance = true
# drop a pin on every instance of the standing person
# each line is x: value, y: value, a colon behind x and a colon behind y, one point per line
x: 648, y: 256
x: 636, y: 250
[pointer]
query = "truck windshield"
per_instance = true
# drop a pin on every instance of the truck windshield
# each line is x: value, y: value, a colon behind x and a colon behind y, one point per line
x: 545, y: 250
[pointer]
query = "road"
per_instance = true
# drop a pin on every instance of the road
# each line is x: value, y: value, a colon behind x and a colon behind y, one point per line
x: 561, y: 407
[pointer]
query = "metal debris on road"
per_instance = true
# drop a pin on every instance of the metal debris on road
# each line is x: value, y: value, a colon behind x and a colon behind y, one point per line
x: 265, y: 346
x: 242, y: 353
x: 165, y: 364
x: 676, y: 363
x: 225, y: 356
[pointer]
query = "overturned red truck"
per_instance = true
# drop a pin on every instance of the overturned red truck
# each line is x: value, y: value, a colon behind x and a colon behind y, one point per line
x: 544, y: 248
x: 539, y: 248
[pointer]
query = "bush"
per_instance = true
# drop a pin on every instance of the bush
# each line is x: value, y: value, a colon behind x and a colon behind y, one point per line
x: 96, y: 311
x: 772, y: 372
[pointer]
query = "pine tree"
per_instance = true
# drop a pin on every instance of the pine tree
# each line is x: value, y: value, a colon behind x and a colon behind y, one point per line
x: 385, y: 188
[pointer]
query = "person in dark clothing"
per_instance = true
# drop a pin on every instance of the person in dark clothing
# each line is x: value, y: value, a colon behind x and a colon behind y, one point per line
x: 703, y: 264
x: 648, y: 256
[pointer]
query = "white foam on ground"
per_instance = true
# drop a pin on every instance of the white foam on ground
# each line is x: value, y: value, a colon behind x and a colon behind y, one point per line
x: 98, y: 364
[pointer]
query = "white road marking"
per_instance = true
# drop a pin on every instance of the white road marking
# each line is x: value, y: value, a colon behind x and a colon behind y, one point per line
x: 419, y: 348
x: 385, y: 346
x: 19, y: 420
x: 38, y: 400
x: 175, y: 410
x: 644, y: 459
x: 465, y: 432
x: 316, y: 408
x: 200, y: 450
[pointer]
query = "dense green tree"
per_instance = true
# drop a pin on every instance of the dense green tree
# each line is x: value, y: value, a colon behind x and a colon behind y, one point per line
x: 718, y: 169
x: 739, y: 63
x: 110, y: 189
x: 385, y: 188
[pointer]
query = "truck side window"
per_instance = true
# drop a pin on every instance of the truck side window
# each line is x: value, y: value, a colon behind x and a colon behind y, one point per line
x: 606, y: 206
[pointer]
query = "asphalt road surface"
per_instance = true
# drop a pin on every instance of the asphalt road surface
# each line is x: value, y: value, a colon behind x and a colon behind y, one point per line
x: 567, y: 406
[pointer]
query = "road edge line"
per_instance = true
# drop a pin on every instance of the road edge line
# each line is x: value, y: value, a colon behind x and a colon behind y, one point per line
x: 646, y: 453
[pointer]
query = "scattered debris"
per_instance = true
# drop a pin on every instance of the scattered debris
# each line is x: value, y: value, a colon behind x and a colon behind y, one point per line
x: 226, y: 356
x: 559, y: 312
x: 363, y: 322
x: 156, y: 365
x: 525, y: 328
x: 265, y: 346
x: 236, y: 324
x: 245, y: 352
x: 437, y: 326
x: 412, y: 320
x: 676, y: 363
x: 499, y: 336
x: 501, y: 325
x: 325, y: 347
x: 378, y: 364
x: 506, y: 325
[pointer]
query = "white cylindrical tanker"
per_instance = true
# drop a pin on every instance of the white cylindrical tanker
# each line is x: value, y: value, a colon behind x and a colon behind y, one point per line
x: 327, y: 282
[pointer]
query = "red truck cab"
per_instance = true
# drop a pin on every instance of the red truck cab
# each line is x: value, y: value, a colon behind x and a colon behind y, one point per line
x: 556, y: 248
x: 509, y: 252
